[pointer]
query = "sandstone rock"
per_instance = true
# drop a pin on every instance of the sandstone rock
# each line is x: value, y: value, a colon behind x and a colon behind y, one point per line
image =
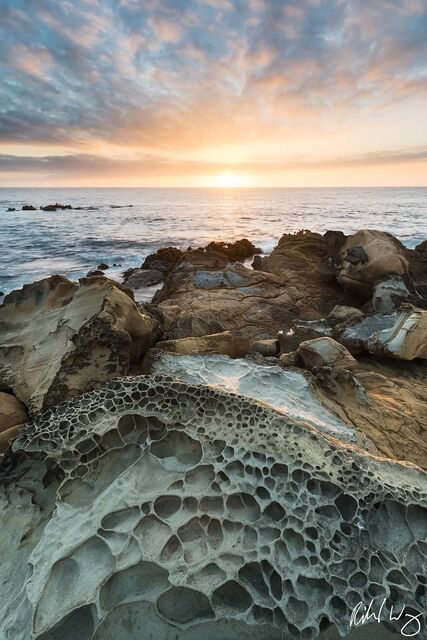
x: 268, y: 347
x: 58, y: 338
x: 366, y: 257
x: 402, y: 334
x: 390, y: 292
x: 325, y: 352
x: 228, y: 343
x: 141, y: 278
x: 12, y: 412
x: 341, y: 316
x: 201, y: 298
x: 290, y: 359
x: 184, y: 511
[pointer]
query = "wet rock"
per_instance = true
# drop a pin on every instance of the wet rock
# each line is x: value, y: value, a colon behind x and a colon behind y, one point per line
x: 59, y: 338
x: 11, y: 209
x: 56, y: 206
x: 402, y: 334
x: 94, y: 273
x: 366, y: 257
x: 103, y: 266
x: 257, y: 263
x: 268, y: 347
x: 28, y: 207
x: 325, y: 352
x: 200, y: 297
x: 227, y: 343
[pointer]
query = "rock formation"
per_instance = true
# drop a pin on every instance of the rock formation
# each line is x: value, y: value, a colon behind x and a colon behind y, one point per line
x: 153, y: 508
x: 324, y: 351
x: 59, y: 338
x: 205, y: 295
x: 12, y: 416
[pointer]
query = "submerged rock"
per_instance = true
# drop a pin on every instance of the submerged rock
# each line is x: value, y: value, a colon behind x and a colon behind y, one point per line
x: 158, y: 508
x: 59, y: 338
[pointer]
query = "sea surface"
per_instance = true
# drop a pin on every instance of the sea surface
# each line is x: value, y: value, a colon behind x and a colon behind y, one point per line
x: 123, y: 226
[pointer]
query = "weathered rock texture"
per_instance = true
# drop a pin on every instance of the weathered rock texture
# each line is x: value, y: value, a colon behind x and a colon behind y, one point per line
x: 185, y: 512
x: 59, y: 339
x: 203, y: 295
x: 12, y: 416
x: 325, y: 351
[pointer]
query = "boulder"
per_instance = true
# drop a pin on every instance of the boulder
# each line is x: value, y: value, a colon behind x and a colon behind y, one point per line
x: 54, y: 207
x: 59, y: 339
x: 141, y: 278
x: 28, y: 207
x: 94, y: 273
x: 227, y: 343
x: 325, y: 352
x: 268, y: 347
x: 302, y: 261
x: 341, y: 316
x: 402, y: 334
x: 103, y: 266
x: 202, y: 296
x: 11, y: 209
x: 366, y: 257
x: 391, y: 291
x: 257, y: 263
x: 290, y: 359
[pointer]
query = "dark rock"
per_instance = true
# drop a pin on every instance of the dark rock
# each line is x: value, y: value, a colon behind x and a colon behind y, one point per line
x: 54, y: 207
x: 103, y: 266
x: 356, y: 255
x: 141, y: 278
x: 267, y: 347
x: 257, y: 263
x: 28, y: 207
x: 11, y: 209
x: 95, y: 272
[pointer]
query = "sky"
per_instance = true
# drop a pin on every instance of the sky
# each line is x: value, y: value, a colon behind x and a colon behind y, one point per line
x: 213, y: 93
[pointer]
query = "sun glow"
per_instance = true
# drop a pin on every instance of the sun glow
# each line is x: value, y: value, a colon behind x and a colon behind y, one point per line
x: 228, y: 180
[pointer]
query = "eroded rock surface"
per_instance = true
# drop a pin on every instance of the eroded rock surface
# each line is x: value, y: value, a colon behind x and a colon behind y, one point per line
x: 184, y: 511
x: 203, y: 295
x: 59, y: 338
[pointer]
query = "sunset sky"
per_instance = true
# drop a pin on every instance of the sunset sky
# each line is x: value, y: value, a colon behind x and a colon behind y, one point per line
x: 213, y: 92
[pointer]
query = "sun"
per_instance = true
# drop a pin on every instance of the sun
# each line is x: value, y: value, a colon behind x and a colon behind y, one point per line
x: 229, y: 180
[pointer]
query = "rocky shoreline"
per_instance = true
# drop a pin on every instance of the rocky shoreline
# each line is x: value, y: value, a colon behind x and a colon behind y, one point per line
x: 315, y: 353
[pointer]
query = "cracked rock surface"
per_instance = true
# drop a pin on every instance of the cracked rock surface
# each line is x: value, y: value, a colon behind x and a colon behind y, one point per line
x: 155, y: 508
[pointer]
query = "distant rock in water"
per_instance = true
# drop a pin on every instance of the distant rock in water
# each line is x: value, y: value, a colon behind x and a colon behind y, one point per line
x: 28, y: 207
x: 54, y: 207
x: 103, y: 266
x: 11, y: 209
x: 94, y: 273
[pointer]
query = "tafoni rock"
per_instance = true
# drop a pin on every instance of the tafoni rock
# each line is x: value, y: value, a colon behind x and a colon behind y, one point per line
x: 154, y: 508
x: 59, y: 338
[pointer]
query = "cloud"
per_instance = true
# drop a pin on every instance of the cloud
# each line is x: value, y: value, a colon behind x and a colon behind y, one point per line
x: 174, y: 75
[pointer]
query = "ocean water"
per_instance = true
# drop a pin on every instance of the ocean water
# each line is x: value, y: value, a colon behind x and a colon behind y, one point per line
x: 123, y: 226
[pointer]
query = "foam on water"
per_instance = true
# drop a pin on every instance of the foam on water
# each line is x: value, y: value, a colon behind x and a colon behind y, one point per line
x: 123, y: 226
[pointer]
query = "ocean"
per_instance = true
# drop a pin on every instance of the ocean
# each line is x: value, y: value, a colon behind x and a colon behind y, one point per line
x: 123, y: 226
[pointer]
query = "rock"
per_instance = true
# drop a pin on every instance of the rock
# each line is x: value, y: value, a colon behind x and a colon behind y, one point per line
x: 200, y: 297
x: 1, y: 294
x: 257, y: 263
x: 163, y: 260
x: 325, y: 352
x: 94, y: 273
x: 402, y: 334
x: 54, y: 207
x: 141, y: 278
x: 103, y: 266
x: 28, y: 207
x: 12, y: 416
x: 290, y: 359
x: 228, y: 343
x: 301, y: 330
x: 185, y: 511
x: 268, y: 347
x: 301, y: 260
x: 237, y: 251
x: 366, y: 257
x: 390, y: 292
x: 341, y: 316
x: 11, y: 209
x: 59, y: 339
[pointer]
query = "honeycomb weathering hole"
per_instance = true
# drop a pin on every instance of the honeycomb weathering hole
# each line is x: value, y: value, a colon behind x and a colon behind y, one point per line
x: 163, y: 520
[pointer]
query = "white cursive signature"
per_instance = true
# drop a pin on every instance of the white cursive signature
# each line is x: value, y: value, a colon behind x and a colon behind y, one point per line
x: 363, y: 613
